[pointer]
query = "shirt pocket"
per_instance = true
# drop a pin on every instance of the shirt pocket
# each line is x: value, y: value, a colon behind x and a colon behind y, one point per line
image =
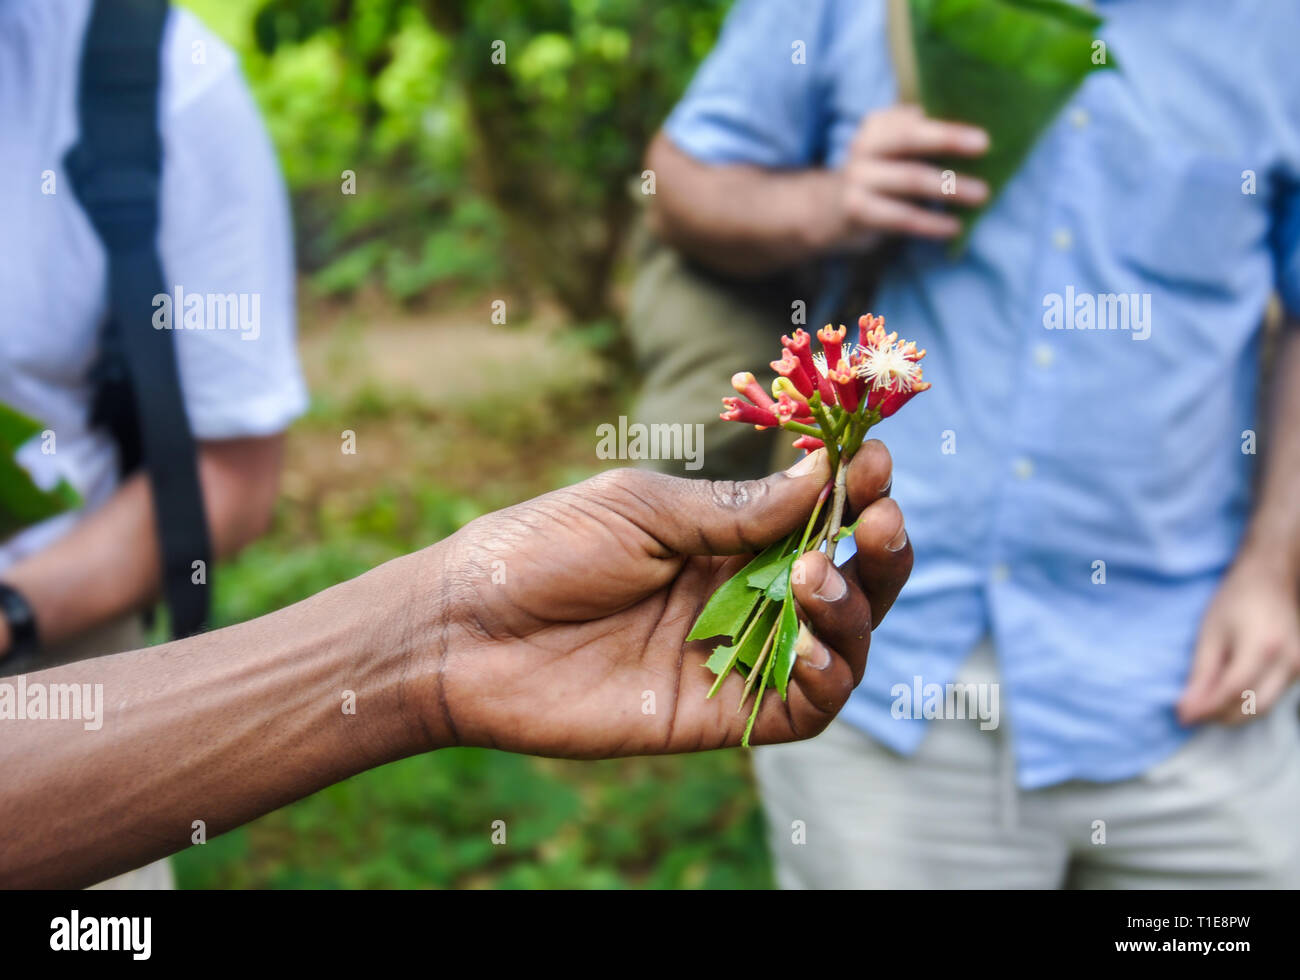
x: 1190, y: 221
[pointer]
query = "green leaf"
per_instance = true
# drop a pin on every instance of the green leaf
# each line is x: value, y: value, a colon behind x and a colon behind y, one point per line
x: 763, y: 569
x: 1007, y: 66
x: 779, y: 590
x: 847, y: 530
x: 783, y: 647
x: 725, y: 658
x: 15, y: 429
x: 22, y: 502
x: 753, y: 644
x: 727, y: 611
x: 722, y: 660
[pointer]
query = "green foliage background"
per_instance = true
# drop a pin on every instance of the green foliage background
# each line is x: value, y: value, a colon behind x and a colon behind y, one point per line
x: 470, y: 169
x: 473, y: 180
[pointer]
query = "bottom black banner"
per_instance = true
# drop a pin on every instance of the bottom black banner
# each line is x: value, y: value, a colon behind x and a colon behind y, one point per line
x: 334, y: 929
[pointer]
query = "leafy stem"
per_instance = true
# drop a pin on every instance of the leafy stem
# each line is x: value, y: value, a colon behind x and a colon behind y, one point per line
x: 827, y: 434
x: 803, y: 430
x: 837, y: 509
x: 812, y: 521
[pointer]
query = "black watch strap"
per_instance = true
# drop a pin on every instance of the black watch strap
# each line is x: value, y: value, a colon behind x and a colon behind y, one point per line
x: 17, y: 612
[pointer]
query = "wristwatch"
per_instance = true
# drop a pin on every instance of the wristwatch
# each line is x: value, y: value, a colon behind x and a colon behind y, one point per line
x: 17, y: 612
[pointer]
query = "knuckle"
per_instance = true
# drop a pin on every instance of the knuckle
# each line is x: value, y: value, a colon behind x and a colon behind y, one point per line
x: 857, y: 198
x: 857, y: 211
x: 733, y: 495
x: 872, y: 209
x: 820, y: 718
x: 614, y: 482
x: 861, y: 172
x: 834, y: 696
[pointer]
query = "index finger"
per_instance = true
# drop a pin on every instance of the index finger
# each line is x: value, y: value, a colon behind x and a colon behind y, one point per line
x: 1211, y: 653
x: 915, y: 134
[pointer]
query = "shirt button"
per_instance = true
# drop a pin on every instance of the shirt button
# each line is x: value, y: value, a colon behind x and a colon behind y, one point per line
x: 1023, y: 468
x: 1079, y: 117
x: 1044, y: 355
x: 1062, y: 239
x: 1001, y: 572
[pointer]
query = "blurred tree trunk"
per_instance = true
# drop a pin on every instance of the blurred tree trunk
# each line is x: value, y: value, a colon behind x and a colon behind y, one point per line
x: 572, y: 249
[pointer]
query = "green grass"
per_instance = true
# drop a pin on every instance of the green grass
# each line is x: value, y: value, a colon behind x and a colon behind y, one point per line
x: 428, y: 821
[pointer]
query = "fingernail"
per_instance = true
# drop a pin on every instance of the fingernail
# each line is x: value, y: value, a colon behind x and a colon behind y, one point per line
x: 809, y: 464
x: 807, y: 649
x: 975, y: 139
x: 898, y: 540
x: 833, y: 587
x: 978, y: 188
x: 889, y: 485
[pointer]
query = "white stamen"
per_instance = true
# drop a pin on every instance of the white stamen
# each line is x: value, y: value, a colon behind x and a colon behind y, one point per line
x: 888, y: 368
x: 848, y: 352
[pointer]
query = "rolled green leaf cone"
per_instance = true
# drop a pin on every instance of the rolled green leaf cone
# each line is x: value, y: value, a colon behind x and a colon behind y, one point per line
x: 22, y: 502
x: 830, y: 400
x: 1007, y: 66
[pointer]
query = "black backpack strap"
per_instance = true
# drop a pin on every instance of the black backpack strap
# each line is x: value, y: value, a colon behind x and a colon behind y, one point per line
x: 116, y: 170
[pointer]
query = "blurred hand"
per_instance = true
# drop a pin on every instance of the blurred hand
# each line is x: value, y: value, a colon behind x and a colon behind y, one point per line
x: 886, y: 174
x: 1249, y: 641
x: 562, y: 611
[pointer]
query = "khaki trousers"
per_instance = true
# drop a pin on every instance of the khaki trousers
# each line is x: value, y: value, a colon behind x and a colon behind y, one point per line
x: 690, y: 332
x: 1219, y: 813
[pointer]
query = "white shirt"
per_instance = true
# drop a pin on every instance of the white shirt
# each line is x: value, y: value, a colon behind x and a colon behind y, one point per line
x: 225, y: 229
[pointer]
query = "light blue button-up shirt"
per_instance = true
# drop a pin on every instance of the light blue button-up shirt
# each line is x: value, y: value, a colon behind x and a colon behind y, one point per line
x: 1075, y: 493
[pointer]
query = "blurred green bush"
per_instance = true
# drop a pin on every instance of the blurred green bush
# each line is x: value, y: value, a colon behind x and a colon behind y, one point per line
x: 492, y: 140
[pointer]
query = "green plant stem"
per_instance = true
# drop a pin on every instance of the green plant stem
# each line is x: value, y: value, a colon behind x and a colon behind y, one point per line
x: 842, y: 433
x: 821, y: 499
x: 832, y: 529
x: 758, y: 703
x: 760, y: 664
x: 827, y: 434
x: 859, y: 423
x: 841, y: 423
x: 803, y: 430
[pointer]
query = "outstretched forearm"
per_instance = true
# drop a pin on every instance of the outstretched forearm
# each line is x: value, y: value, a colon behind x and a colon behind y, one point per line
x: 541, y: 628
x: 219, y: 728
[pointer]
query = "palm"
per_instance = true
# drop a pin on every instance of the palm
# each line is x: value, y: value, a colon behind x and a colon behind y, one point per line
x: 581, y: 630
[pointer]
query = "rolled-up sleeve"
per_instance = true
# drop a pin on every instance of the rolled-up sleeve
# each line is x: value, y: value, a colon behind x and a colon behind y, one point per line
x: 759, y: 96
